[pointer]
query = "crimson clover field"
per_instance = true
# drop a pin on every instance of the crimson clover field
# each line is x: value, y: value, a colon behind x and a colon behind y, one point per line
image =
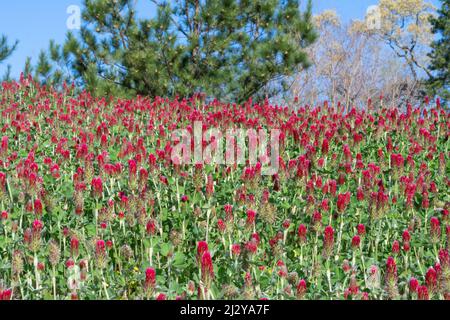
x: 93, y: 207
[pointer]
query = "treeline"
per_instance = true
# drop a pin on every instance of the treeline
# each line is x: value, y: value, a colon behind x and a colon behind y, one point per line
x: 234, y: 50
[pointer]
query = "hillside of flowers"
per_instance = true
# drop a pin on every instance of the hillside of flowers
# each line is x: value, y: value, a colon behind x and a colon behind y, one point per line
x: 93, y: 207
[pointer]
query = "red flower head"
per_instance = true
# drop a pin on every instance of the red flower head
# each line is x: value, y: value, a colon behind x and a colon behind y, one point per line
x: 38, y: 207
x: 356, y: 241
x: 4, y: 143
x: 406, y: 236
x: 406, y: 246
x: 151, y: 227
x: 425, y: 200
x: 301, y: 289
x: 229, y: 211
x: 143, y: 175
x: 343, y: 201
x: 286, y: 224
x: 221, y: 225
x: 251, y: 215
x: 361, y: 230
x: 445, y: 215
x: 328, y: 241
x: 209, y: 186
x: 435, y: 229
x: 346, y: 266
x: 255, y: 237
x: 325, y: 146
x: 37, y: 226
x: 422, y: 293
x: 391, y: 278
x: 74, y: 246
x: 164, y: 180
x: 395, y: 247
x: 66, y: 231
x: 321, y: 162
x: 413, y: 285
x: 329, y: 235
x: 100, y: 247
x: 202, y: 247
x: 431, y: 280
x: 2, y: 181
x: 152, y: 161
x: 317, y: 218
x: 248, y: 279
x: 70, y: 263
x: 41, y: 266
x: 324, y: 205
x: 438, y: 268
x: 347, y: 293
x: 161, y: 297
x: 101, y: 254
x: 236, y: 249
x: 5, y: 295
x: 391, y: 266
x: 4, y: 215
x: 354, y: 288
x: 150, y: 279
x: 207, y: 266
x: 302, y: 231
x: 444, y: 259
x: 97, y: 187
x: 132, y: 167
x: 251, y: 246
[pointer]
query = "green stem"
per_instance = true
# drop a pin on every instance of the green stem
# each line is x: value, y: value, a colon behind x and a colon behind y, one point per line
x: 54, y: 283
x: 104, y: 285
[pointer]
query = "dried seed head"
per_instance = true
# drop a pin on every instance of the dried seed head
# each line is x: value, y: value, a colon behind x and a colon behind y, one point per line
x: 191, y: 287
x: 293, y: 278
x: 230, y: 291
x: 17, y: 263
x: 176, y: 237
x: 126, y: 252
x: 53, y: 253
x: 373, y: 278
x: 288, y: 290
x: 268, y: 213
x: 197, y: 212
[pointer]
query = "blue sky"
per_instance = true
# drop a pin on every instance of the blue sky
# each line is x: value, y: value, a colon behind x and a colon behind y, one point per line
x: 34, y: 23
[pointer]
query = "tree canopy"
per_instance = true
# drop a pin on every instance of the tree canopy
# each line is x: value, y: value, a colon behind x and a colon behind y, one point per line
x: 5, y: 52
x: 229, y: 49
x: 440, y: 56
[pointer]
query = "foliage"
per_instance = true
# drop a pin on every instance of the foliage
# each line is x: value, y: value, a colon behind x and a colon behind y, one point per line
x: 227, y: 49
x: 351, y: 66
x: 404, y: 25
x: 5, y: 49
x: 440, y: 56
x: 5, y: 52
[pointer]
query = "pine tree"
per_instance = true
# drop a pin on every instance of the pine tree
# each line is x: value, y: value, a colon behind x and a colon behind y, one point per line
x: 440, y: 55
x: 5, y: 52
x: 229, y: 49
x: 5, y: 49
